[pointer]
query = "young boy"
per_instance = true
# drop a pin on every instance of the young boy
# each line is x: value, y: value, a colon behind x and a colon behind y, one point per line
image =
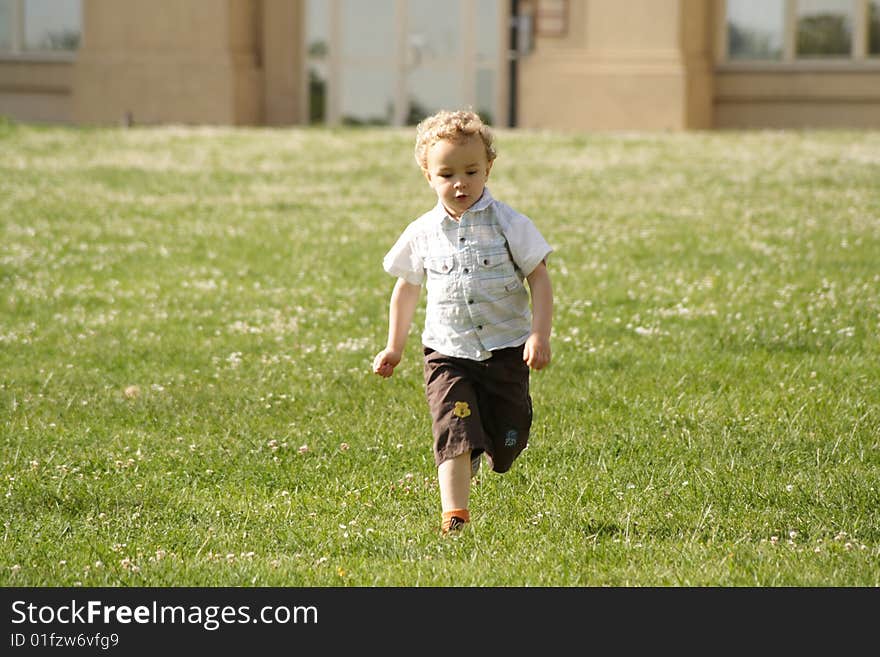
x: 480, y: 336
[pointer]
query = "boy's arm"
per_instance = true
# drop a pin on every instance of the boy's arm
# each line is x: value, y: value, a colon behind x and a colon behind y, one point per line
x: 536, y: 352
x: 404, y: 299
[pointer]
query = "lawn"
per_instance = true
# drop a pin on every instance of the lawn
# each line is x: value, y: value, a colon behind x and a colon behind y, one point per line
x: 188, y: 316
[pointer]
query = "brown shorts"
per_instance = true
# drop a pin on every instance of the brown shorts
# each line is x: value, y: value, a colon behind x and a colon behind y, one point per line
x: 482, y: 406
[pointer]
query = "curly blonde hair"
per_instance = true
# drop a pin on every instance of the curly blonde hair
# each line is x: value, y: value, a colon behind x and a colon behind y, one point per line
x: 452, y: 126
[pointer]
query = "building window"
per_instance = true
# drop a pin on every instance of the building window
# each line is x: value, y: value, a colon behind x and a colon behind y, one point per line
x: 317, y: 52
x: 874, y: 28
x: 393, y: 62
x: 366, y: 87
x: 824, y: 28
x: 800, y: 31
x: 755, y: 29
x: 7, y: 23
x: 40, y: 26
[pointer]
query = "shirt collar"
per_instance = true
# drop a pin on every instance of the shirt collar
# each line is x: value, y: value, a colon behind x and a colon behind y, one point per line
x: 482, y: 203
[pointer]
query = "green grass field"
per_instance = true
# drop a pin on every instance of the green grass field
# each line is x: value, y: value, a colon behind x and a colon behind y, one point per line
x: 188, y: 316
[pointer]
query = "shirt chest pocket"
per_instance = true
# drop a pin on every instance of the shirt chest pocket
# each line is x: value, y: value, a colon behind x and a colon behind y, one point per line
x: 492, y: 260
x: 495, y: 265
x: 498, y: 274
x: 439, y: 267
x: 441, y: 276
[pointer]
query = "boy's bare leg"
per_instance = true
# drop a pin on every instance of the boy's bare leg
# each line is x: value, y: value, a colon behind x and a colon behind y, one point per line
x: 454, y: 476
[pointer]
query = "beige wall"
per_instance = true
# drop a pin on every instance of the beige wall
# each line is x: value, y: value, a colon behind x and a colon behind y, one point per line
x: 640, y: 64
x: 798, y: 99
x: 166, y: 61
x: 36, y: 90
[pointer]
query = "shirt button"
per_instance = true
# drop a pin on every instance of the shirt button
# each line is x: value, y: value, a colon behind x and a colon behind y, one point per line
x: 470, y: 301
x: 466, y: 270
x: 461, y: 239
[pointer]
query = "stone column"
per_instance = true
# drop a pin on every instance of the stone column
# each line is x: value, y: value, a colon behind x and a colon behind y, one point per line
x: 167, y: 61
x: 283, y: 61
x: 633, y: 65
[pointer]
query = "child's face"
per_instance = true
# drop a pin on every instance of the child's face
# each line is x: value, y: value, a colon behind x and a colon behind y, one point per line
x: 457, y: 171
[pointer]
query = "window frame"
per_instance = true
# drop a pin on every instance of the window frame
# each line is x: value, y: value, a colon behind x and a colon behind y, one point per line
x: 859, y: 58
x: 17, y: 50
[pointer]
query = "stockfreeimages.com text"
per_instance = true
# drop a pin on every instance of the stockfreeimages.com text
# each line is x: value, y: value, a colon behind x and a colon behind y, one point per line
x: 211, y: 617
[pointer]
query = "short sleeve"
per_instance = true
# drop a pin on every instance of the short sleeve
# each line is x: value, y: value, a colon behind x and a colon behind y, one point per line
x: 528, y: 248
x: 402, y: 260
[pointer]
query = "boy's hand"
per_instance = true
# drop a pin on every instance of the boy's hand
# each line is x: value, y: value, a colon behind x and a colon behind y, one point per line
x: 385, y: 362
x: 536, y: 352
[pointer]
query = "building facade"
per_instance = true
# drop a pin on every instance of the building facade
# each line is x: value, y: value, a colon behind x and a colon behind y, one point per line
x: 541, y: 64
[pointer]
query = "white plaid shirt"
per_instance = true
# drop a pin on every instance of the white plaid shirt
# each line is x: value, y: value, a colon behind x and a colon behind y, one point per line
x: 474, y: 269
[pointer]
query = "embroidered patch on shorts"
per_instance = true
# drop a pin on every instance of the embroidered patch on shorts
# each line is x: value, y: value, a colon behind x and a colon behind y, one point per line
x: 461, y: 409
x: 511, y: 438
